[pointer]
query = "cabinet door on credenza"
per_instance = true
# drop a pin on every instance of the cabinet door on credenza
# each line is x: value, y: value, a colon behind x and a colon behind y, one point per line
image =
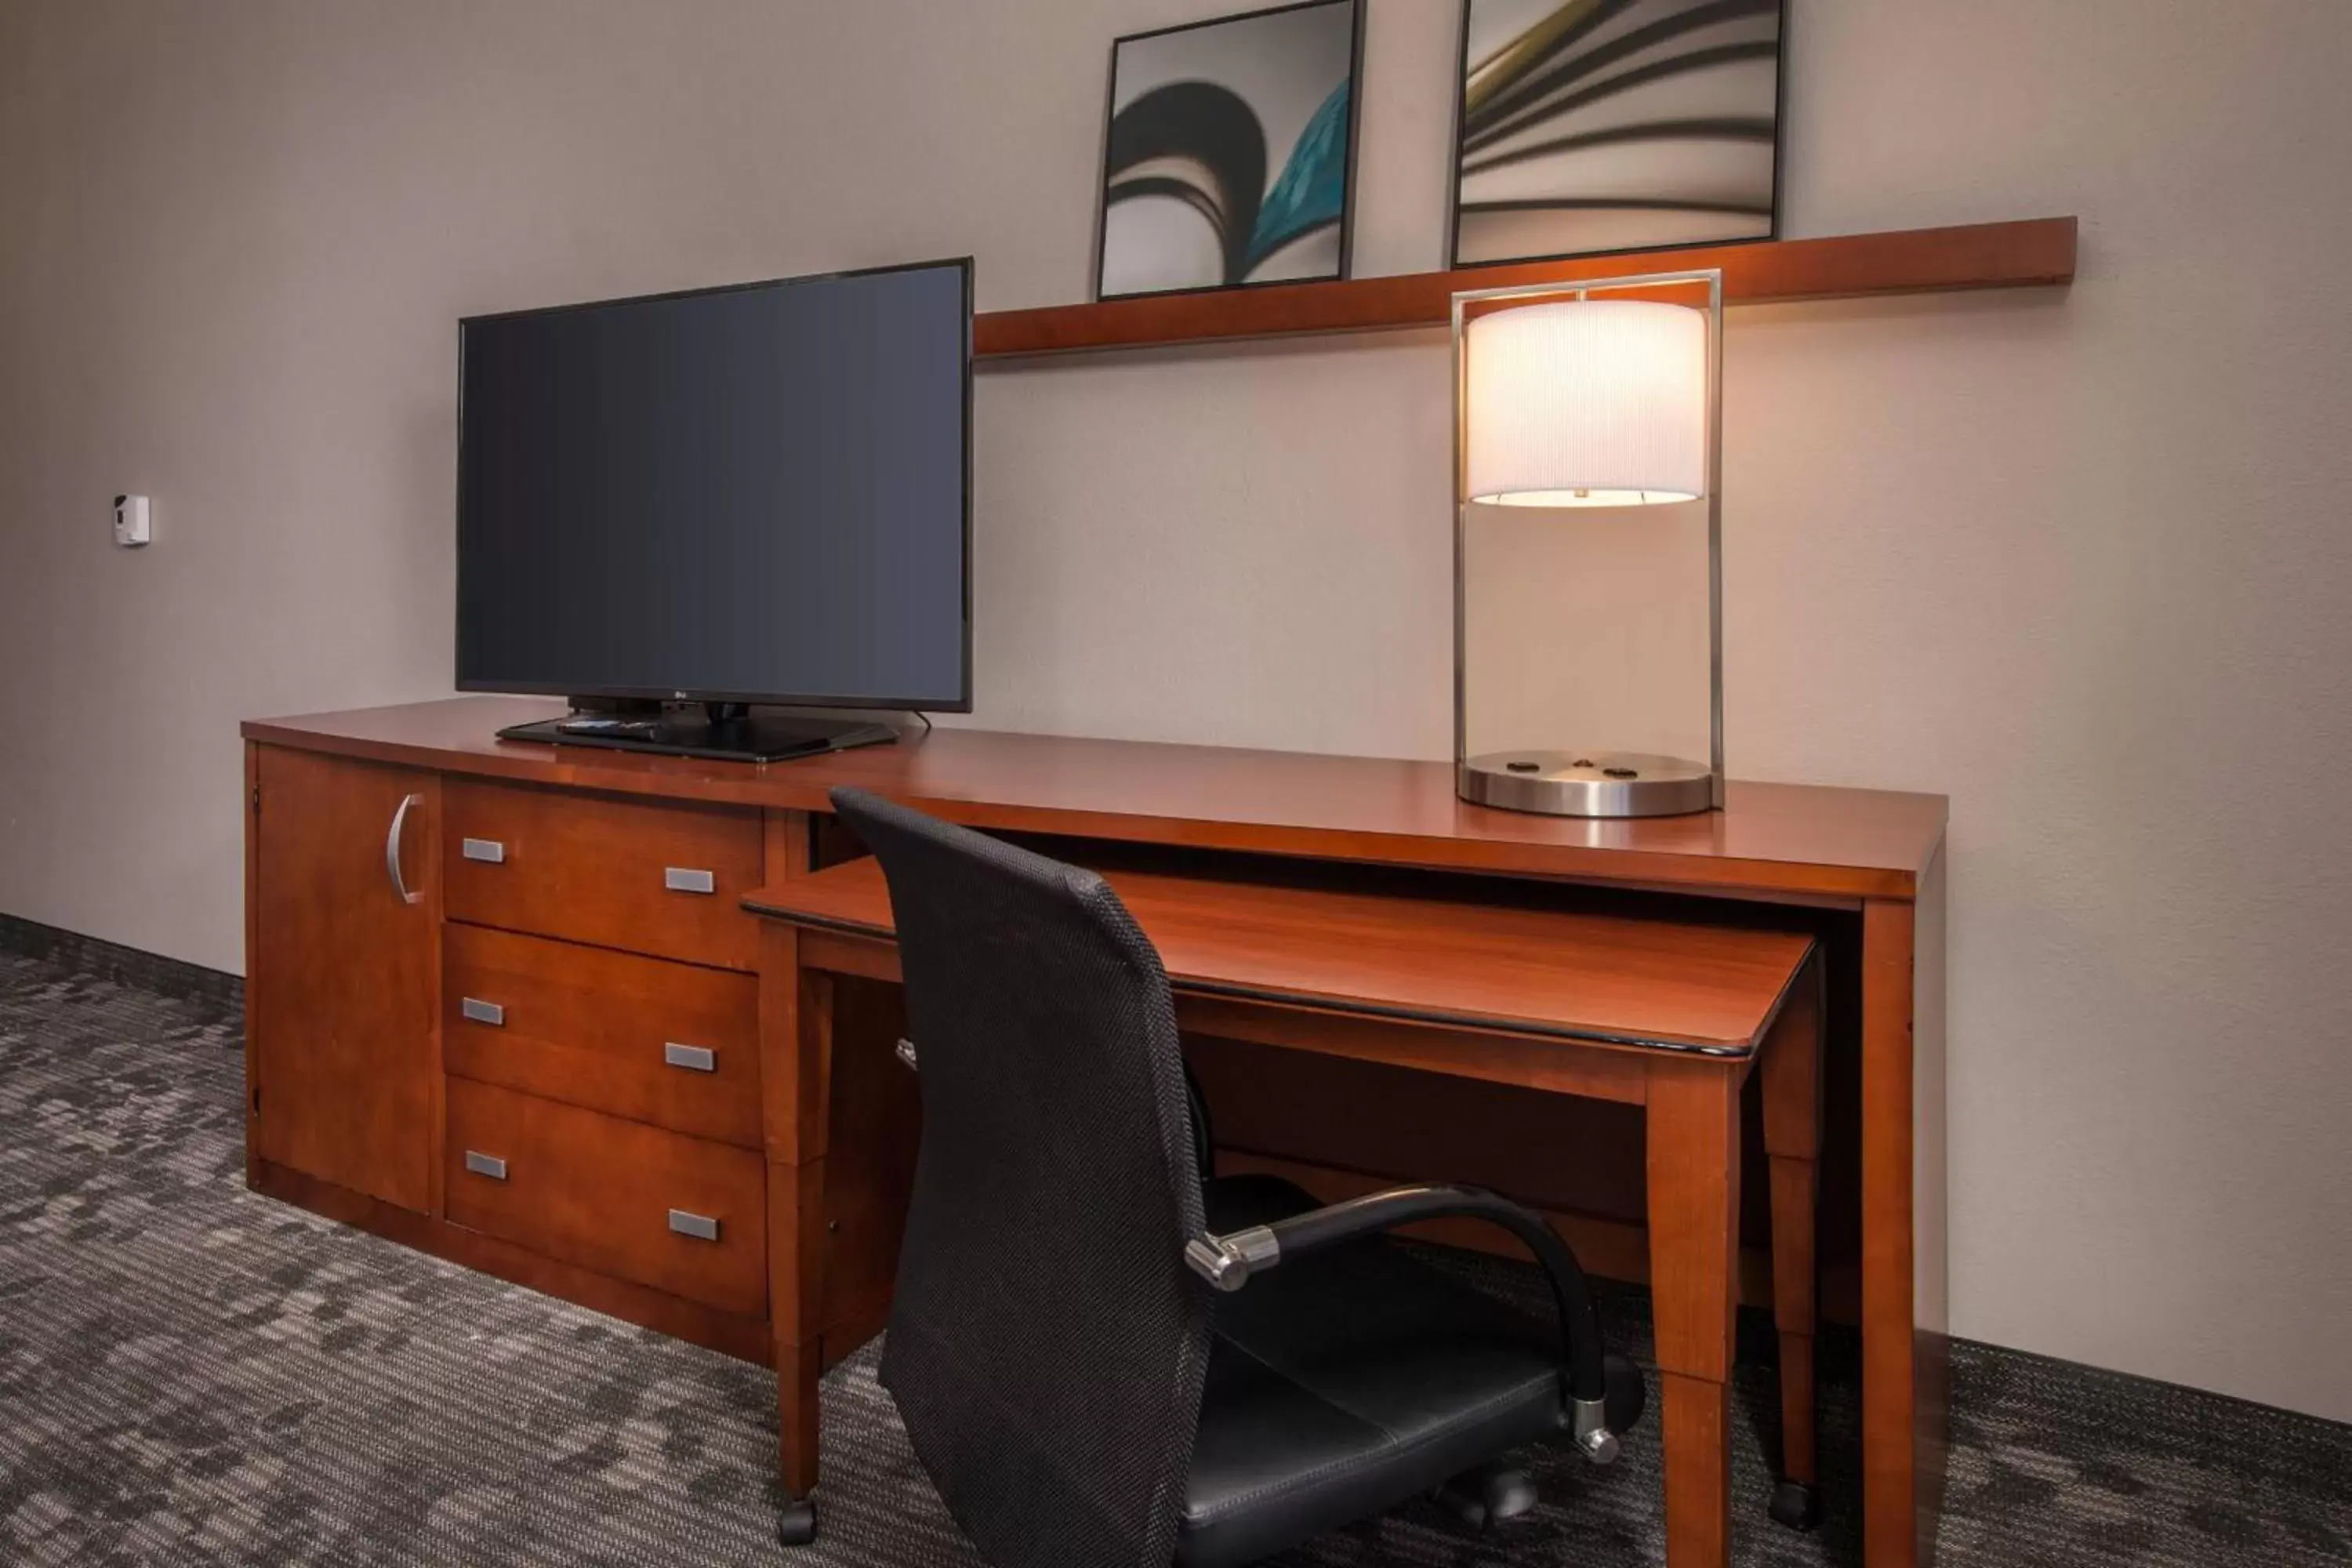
x: 342, y: 988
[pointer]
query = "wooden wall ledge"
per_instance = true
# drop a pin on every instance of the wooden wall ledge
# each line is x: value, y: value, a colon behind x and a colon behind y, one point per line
x: 2032, y: 253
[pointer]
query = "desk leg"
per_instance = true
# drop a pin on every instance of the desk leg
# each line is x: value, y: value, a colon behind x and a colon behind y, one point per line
x: 1791, y: 1073
x: 796, y: 1274
x: 1693, y: 1207
x: 1904, y: 1361
x: 796, y: 1082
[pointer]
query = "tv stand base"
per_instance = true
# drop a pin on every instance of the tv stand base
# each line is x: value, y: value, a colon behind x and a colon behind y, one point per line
x: 723, y: 731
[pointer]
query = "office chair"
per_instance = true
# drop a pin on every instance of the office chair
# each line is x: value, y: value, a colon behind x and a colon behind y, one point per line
x: 1101, y: 1359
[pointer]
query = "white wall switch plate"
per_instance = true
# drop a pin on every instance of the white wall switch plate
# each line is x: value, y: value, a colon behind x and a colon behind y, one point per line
x: 133, y: 520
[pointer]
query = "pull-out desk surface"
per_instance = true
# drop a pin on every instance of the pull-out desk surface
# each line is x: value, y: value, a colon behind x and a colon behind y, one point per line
x: 1600, y: 979
x: 1665, y: 1015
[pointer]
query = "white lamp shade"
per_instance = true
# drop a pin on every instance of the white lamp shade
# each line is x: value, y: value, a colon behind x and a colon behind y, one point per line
x: 1586, y: 403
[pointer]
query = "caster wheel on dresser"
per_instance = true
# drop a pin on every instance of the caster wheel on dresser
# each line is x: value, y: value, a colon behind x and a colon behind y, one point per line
x: 796, y: 1523
x: 1796, y: 1505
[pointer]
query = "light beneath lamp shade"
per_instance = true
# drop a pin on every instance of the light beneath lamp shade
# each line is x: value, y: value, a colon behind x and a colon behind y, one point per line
x: 1586, y: 403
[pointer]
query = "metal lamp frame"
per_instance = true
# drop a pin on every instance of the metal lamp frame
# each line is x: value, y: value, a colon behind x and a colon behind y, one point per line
x: 1528, y: 293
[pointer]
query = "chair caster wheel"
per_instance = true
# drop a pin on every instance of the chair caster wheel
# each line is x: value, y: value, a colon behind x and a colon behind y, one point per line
x: 1796, y: 1505
x: 1486, y: 1497
x: 796, y: 1523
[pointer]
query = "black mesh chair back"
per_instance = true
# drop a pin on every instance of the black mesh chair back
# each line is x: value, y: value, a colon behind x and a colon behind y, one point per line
x: 1047, y: 1344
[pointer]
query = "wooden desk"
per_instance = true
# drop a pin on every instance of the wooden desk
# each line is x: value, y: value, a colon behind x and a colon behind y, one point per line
x: 1666, y: 1017
x: 334, y: 958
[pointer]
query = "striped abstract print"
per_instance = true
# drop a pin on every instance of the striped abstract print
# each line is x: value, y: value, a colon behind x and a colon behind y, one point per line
x: 1598, y: 125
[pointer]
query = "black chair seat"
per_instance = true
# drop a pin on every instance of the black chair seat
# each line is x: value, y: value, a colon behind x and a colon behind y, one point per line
x: 1347, y: 1383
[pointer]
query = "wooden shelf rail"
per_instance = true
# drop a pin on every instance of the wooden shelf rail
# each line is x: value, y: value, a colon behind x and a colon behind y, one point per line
x: 2034, y: 252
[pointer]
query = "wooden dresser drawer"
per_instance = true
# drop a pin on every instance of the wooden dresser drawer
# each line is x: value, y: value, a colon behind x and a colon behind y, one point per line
x: 664, y: 879
x: 616, y: 1197
x: 672, y: 1044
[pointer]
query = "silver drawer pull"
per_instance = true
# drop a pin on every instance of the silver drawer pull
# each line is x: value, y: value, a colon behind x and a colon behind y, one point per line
x: 481, y: 1011
x: 392, y: 842
x: 485, y: 849
x: 682, y: 879
x: 483, y: 1164
x: 693, y: 1059
x: 699, y: 1226
x: 907, y: 1054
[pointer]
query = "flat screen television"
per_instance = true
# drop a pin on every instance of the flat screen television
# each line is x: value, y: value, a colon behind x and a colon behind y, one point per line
x: 759, y: 494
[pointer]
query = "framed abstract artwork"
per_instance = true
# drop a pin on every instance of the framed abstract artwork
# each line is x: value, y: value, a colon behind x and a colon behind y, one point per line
x: 1229, y: 154
x: 1592, y: 126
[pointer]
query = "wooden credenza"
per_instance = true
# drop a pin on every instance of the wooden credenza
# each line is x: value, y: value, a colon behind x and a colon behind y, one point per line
x: 519, y: 1028
x: 505, y: 1005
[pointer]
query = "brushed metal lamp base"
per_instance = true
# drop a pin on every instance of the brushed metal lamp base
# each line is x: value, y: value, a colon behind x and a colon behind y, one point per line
x: 1587, y: 783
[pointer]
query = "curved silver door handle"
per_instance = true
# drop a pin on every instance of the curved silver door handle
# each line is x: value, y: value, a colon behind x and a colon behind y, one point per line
x: 392, y: 849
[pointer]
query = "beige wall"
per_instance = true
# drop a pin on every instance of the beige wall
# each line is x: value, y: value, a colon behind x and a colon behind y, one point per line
x: 2078, y: 560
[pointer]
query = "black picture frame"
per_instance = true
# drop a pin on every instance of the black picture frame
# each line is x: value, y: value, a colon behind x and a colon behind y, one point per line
x: 1347, y: 197
x: 1453, y: 179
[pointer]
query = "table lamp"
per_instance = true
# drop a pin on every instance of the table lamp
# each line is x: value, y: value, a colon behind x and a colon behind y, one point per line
x: 1565, y: 399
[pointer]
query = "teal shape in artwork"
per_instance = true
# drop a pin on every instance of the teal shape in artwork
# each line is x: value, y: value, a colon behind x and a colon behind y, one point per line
x: 1313, y: 189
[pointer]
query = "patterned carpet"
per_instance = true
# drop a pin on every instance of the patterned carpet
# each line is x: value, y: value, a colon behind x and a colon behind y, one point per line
x: 192, y: 1376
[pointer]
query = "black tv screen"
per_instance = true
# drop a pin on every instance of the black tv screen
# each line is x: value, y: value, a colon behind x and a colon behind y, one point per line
x: 757, y: 494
